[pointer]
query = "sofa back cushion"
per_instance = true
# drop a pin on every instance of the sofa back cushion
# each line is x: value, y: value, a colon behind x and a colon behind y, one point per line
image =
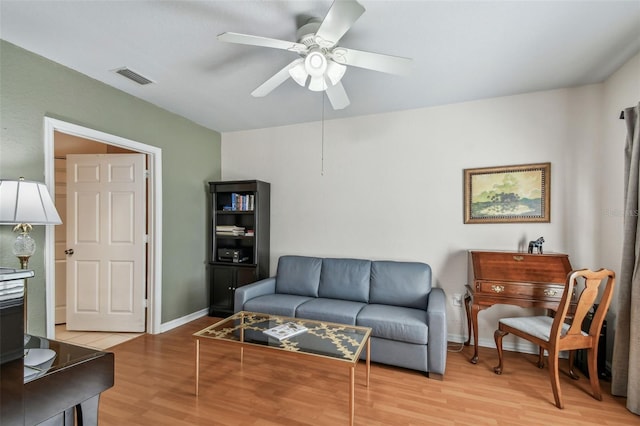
x: 345, y: 279
x: 400, y: 283
x: 298, y: 275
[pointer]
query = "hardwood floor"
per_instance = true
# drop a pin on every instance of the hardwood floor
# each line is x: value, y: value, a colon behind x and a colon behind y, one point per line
x: 155, y: 386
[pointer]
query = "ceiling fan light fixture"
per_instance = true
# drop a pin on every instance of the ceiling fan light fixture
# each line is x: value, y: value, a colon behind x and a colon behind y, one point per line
x: 315, y: 63
x: 322, y: 63
x: 335, y: 72
x: 299, y: 74
x: 317, y: 84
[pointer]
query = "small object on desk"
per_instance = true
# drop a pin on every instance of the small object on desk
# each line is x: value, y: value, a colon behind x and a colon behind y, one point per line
x: 37, y: 361
x: 537, y: 244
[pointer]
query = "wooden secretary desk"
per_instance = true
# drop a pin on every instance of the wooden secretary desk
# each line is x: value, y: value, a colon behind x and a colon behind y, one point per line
x: 512, y: 278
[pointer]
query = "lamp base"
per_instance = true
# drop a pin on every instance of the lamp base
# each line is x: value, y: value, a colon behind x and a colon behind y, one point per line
x: 23, y: 245
x: 24, y: 261
x: 24, y: 264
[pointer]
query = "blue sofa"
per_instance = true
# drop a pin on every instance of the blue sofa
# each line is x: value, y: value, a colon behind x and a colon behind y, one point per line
x: 407, y: 316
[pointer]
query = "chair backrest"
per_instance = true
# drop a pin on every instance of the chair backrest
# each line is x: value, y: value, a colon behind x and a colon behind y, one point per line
x: 593, y: 280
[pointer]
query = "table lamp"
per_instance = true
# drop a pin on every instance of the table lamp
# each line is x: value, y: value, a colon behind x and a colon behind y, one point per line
x: 24, y: 203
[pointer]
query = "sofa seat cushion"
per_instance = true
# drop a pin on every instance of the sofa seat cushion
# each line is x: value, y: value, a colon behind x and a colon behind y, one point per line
x: 330, y: 310
x: 395, y: 323
x: 276, y: 304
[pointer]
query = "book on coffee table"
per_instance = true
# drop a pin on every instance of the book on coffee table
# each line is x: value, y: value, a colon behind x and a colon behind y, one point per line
x: 286, y: 330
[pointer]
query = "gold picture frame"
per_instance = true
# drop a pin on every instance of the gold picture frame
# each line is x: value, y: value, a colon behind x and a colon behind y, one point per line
x: 508, y: 194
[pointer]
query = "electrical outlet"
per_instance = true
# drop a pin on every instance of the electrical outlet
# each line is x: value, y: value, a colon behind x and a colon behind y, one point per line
x: 456, y: 299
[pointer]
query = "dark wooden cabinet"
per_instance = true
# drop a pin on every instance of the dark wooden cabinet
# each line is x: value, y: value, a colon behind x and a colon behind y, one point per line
x: 225, y: 280
x: 512, y: 278
x: 239, y: 239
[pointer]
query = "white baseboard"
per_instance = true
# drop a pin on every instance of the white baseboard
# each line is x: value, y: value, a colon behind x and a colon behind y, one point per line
x: 183, y: 320
x: 519, y: 346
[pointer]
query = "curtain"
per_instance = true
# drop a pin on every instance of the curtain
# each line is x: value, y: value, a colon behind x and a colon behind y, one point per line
x: 625, y: 366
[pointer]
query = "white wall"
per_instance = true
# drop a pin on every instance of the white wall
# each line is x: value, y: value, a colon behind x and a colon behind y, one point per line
x: 392, y: 183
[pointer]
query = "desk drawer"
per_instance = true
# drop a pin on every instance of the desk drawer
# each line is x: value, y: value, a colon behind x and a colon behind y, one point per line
x: 517, y: 267
x: 548, y: 292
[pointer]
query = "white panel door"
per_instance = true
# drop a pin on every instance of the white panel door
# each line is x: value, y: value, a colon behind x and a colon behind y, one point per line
x: 60, y: 233
x: 106, y: 227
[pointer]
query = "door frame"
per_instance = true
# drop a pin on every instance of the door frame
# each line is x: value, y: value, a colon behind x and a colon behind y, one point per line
x: 154, y: 218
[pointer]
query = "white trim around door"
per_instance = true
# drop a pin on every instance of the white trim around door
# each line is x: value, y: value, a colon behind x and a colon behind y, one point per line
x: 154, y: 256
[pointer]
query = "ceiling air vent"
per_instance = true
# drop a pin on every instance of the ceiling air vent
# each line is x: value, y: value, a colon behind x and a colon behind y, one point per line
x: 132, y: 75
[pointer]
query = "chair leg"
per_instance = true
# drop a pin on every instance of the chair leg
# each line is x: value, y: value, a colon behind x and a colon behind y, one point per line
x: 541, y: 358
x: 572, y: 372
x: 498, y: 335
x: 592, y: 362
x: 555, y: 377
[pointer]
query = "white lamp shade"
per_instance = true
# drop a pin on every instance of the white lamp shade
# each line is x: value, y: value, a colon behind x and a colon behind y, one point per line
x: 299, y: 74
x: 23, y: 201
x: 335, y: 71
x: 317, y: 84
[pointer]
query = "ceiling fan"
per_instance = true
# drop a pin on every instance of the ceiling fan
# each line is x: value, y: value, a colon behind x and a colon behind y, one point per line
x: 322, y: 62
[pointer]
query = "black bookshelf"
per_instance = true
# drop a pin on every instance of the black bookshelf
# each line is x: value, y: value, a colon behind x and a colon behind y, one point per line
x: 239, y: 239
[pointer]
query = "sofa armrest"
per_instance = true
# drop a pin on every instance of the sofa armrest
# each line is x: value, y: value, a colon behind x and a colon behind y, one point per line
x: 249, y: 291
x: 437, y: 323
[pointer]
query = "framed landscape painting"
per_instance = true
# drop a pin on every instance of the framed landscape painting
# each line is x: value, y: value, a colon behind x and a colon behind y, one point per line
x: 507, y: 194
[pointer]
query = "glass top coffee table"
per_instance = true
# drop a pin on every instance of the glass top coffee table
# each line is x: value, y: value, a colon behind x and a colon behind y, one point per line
x: 336, y: 344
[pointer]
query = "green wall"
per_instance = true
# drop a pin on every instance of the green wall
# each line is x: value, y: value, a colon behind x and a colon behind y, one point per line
x: 32, y: 87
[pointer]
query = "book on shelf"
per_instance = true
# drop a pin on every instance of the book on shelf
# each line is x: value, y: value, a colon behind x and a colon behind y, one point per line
x: 230, y: 230
x: 240, y: 203
x: 286, y: 330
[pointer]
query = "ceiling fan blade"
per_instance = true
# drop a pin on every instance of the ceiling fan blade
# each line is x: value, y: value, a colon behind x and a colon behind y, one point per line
x: 372, y: 61
x: 337, y: 96
x: 341, y: 16
x: 262, y: 41
x: 275, y: 81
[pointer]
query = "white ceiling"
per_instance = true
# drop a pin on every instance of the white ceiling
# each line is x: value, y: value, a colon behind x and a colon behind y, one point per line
x: 462, y: 51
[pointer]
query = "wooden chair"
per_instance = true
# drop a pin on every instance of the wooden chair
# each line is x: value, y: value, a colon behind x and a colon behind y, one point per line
x: 554, y: 335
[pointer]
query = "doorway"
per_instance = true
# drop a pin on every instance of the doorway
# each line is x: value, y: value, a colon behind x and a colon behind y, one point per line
x: 91, y: 140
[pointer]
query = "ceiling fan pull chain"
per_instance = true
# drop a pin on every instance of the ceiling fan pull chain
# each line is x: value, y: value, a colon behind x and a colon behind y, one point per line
x: 322, y: 150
